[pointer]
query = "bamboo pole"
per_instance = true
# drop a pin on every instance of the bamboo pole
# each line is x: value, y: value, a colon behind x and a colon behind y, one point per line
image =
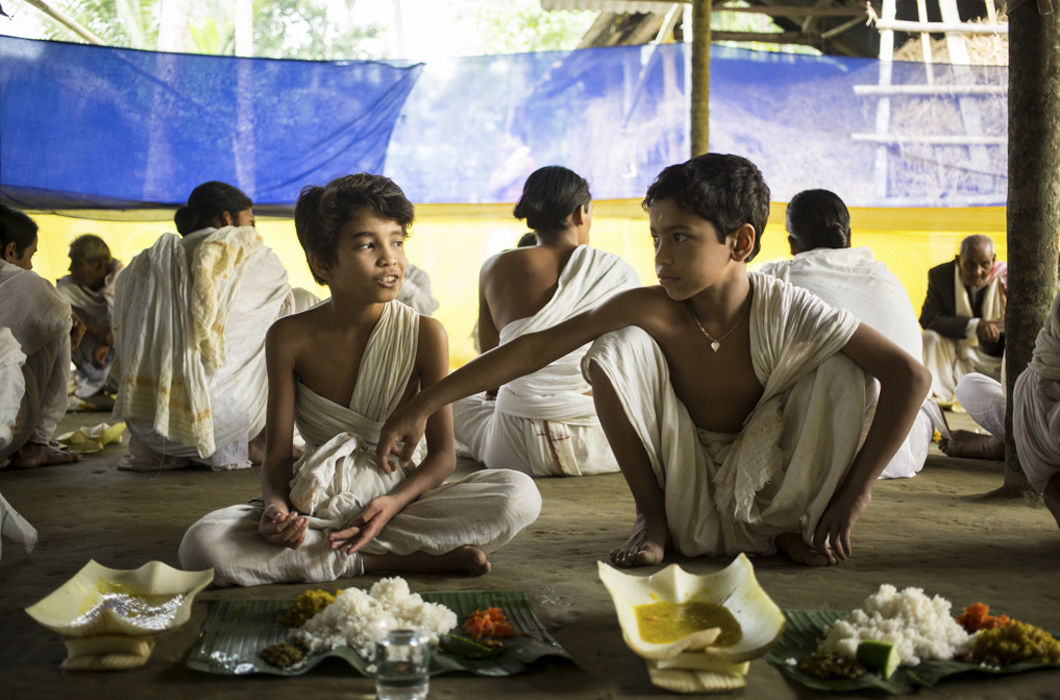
x: 700, y: 92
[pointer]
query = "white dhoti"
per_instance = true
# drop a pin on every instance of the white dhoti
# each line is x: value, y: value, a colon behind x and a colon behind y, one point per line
x: 735, y: 493
x: 984, y: 399
x: 12, y: 385
x: 1036, y: 405
x: 544, y: 423
x: 39, y: 320
x: 339, y: 474
x: 190, y: 321
x: 852, y: 279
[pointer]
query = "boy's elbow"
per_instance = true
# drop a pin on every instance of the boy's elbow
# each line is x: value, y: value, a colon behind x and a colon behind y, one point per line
x: 919, y: 378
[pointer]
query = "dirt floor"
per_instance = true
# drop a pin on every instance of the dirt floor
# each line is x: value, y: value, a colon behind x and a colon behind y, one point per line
x: 937, y: 531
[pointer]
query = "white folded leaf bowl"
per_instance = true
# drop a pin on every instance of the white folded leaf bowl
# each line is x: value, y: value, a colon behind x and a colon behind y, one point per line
x: 112, y: 615
x: 707, y: 659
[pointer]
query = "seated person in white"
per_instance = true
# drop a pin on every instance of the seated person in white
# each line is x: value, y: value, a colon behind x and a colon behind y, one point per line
x: 41, y: 323
x: 90, y: 290
x: 734, y: 403
x: 416, y: 291
x: 12, y: 386
x: 545, y: 423
x: 1036, y: 413
x: 848, y: 278
x: 190, y: 317
x: 337, y: 371
x: 963, y: 317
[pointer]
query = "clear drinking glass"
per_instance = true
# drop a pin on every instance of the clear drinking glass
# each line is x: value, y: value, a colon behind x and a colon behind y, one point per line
x: 402, y: 661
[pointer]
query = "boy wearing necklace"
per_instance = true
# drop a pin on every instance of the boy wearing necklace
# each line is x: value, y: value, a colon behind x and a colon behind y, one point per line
x: 734, y: 403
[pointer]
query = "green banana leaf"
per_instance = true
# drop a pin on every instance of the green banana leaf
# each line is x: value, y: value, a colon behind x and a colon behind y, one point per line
x: 805, y: 629
x: 235, y: 632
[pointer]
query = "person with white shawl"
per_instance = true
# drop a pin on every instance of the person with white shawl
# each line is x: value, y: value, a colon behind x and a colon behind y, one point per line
x: 90, y: 290
x: 545, y: 423
x: 963, y: 317
x: 735, y: 403
x: 416, y: 291
x: 1036, y: 413
x: 337, y: 371
x: 40, y: 320
x: 823, y: 262
x: 190, y: 316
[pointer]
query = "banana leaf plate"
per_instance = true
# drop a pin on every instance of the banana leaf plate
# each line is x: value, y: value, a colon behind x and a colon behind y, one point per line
x: 805, y: 629
x: 236, y: 630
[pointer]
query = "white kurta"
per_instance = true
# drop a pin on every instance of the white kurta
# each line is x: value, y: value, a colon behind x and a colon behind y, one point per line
x: 39, y: 319
x: 852, y: 279
x: 190, y: 319
x: 415, y: 291
x: 339, y: 474
x: 1036, y: 405
x: 94, y: 307
x: 544, y: 424
x: 734, y: 493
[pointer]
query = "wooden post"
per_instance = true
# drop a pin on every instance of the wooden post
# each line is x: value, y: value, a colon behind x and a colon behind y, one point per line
x: 1033, y: 213
x: 700, y: 97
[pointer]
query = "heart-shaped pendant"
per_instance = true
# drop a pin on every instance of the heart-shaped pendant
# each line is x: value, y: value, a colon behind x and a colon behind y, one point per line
x: 715, y: 345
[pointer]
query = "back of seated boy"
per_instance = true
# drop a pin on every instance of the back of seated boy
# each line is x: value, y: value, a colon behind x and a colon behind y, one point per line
x: 338, y: 370
x: 732, y: 418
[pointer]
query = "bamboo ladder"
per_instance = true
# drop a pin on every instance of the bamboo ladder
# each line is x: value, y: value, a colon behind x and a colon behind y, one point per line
x: 963, y: 88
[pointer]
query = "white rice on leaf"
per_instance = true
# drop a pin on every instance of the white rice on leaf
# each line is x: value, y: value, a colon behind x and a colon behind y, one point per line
x: 919, y: 627
x: 356, y: 618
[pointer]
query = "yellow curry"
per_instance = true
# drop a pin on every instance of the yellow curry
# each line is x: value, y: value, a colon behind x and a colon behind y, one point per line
x: 663, y: 622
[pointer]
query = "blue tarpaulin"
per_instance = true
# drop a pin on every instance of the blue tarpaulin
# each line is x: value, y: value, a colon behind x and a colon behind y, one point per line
x: 92, y: 126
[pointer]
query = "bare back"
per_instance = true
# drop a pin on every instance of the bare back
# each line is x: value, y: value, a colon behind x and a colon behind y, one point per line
x: 516, y: 284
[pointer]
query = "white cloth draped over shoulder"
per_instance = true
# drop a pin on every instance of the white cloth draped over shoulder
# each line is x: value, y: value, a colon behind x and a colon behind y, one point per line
x: 950, y: 359
x: 339, y: 474
x: 190, y: 318
x: 852, y: 279
x: 94, y: 307
x: 39, y: 320
x: 730, y: 493
x: 1036, y: 405
x: 544, y: 423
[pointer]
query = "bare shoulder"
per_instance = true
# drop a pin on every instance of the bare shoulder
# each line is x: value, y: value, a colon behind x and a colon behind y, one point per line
x: 639, y: 306
x: 297, y: 330
x: 432, y: 332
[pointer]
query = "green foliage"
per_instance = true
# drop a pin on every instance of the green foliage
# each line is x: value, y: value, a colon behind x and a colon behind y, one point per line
x: 519, y: 26
x: 128, y: 23
x: 300, y: 29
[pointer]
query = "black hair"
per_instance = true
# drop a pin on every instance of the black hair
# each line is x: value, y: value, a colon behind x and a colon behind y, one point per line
x: 726, y: 190
x: 207, y: 202
x: 16, y: 227
x: 321, y: 212
x: 550, y: 195
x: 818, y: 219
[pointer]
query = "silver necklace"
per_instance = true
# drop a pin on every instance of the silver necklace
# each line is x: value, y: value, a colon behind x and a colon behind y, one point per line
x: 715, y: 343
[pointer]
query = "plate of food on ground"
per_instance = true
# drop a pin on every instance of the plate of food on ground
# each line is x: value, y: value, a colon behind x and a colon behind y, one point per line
x: 900, y: 641
x: 489, y: 633
x: 697, y: 632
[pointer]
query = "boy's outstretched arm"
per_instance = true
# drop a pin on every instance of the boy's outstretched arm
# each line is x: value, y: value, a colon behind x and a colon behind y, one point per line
x: 523, y: 355
x: 904, y: 382
x: 432, y: 364
x: 279, y: 524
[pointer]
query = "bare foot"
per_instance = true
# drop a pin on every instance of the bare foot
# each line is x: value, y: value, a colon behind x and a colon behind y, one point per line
x: 256, y: 449
x: 37, y: 454
x: 1052, y: 496
x: 466, y: 560
x: 646, y: 545
x: 964, y: 443
x: 792, y: 544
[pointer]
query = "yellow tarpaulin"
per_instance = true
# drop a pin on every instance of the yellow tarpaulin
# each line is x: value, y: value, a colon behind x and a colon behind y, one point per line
x: 450, y: 241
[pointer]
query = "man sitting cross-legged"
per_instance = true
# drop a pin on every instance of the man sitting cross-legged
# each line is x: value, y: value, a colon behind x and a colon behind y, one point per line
x: 734, y: 402
x: 338, y: 370
x: 44, y: 330
x: 545, y: 423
